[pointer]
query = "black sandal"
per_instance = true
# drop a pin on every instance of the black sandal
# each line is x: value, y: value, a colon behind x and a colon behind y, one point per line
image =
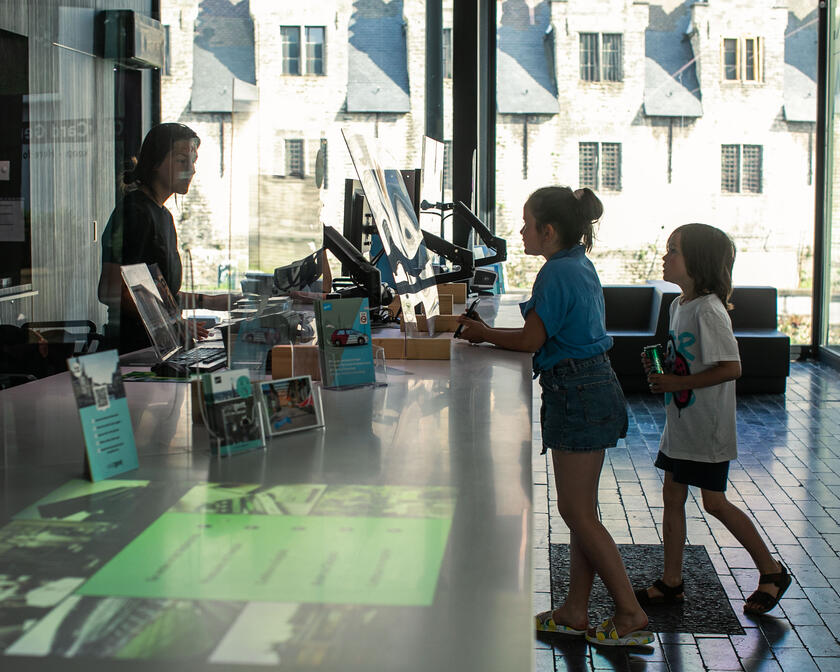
x: 670, y: 594
x: 766, y: 601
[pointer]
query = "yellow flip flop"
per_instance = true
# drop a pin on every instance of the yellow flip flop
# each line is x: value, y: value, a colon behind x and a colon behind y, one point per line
x: 606, y: 635
x: 545, y: 623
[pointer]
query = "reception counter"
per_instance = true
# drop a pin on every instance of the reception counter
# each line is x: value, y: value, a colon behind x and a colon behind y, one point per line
x: 396, y: 538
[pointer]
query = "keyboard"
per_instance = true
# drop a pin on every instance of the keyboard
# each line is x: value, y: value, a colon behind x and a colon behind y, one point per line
x: 203, y: 358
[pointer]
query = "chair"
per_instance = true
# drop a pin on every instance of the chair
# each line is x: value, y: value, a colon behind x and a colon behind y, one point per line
x: 82, y: 333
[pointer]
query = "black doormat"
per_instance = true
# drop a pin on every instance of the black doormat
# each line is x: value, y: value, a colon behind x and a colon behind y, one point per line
x: 706, y: 609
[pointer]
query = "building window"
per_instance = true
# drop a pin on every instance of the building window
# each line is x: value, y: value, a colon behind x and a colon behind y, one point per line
x: 730, y: 59
x: 315, y: 38
x: 741, y: 59
x: 589, y: 65
x: 290, y: 36
x: 741, y: 169
x: 612, y: 58
x: 599, y: 165
x: 601, y: 57
x: 588, y: 164
x: 167, y: 52
x: 294, y: 158
x: 447, y: 165
x: 323, y: 151
x: 611, y: 166
x: 447, y: 53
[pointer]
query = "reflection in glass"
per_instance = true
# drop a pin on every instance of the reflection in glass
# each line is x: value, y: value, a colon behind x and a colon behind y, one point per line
x: 396, y: 222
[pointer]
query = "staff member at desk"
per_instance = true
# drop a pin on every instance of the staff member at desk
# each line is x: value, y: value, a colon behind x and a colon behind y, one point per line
x: 141, y: 230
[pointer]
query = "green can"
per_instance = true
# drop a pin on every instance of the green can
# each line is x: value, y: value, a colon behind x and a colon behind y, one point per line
x: 654, y: 354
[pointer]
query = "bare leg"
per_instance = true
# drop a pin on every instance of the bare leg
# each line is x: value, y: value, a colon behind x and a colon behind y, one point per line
x: 673, y: 532
x: 742, y: 528
x: 576, y: 476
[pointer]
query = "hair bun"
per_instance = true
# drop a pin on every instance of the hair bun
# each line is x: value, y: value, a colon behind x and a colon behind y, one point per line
x: 130, y: 175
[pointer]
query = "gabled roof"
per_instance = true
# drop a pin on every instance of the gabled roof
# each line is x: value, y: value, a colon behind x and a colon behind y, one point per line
x: 800, y: 92
x: 223, y: 55
x: 525, y: 78
x: 671, y: 85
x: 377, y: 72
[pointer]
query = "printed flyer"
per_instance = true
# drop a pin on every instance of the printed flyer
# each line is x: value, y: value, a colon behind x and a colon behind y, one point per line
x: 106, y: 423
x: 344, y: 342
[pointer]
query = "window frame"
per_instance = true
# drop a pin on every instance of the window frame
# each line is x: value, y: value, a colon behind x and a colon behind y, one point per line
x: 294, y: 155
x: 745, y: 73
x: 598, y: 61
x: 311, y: 59
x: 286, y: 59
x: 593, y: 166
x: 740, y: 164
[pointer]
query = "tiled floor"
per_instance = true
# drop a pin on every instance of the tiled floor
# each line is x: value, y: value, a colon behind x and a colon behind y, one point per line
x: 787, y: 477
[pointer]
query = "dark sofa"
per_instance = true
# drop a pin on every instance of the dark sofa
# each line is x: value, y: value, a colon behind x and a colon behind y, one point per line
x: 637, y: 315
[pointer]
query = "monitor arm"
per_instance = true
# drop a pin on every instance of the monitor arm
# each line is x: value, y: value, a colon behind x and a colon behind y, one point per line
x: 498, y: 245
x: 363, y: 274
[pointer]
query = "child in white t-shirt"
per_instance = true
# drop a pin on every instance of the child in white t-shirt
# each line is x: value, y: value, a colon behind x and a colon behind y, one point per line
x: 699, y: 439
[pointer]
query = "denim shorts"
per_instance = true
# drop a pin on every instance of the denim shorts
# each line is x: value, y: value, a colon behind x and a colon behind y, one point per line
x: 583, y: 407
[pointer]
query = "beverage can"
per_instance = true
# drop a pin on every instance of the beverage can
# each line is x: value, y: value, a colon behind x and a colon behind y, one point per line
x: 654, y: 354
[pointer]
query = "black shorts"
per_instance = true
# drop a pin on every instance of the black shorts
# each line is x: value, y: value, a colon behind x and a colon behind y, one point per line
x: 705, y: 475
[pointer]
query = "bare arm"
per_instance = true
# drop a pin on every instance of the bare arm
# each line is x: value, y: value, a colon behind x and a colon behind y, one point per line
x: 528, y: 338
x: 721, y: 373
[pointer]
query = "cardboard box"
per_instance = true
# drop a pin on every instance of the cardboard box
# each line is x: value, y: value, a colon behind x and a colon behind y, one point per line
x: 443, y: 324
x: 446, y: 303
x: 394, y: 346
x: 428, y: 348
x: 458, y: 290
x: 304, y: 357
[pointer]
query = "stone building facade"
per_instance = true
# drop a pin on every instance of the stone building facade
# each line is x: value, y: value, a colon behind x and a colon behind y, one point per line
x: 670, y: 120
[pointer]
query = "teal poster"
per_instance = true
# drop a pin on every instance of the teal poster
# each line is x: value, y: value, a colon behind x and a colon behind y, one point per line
x: 106, y: 423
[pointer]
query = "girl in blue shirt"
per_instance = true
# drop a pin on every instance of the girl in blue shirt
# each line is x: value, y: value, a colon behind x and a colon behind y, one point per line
x: 583, y: 409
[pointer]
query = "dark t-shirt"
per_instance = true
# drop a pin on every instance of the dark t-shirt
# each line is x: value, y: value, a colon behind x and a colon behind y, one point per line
x: 139, y: 232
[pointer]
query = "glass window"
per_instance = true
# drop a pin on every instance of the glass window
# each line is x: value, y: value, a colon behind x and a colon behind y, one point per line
x: 447, y: 165
x: 447, y: 53
x: 294, y: 158
x: 612, y: 58
x: 750, y: 61
x: 290, y: 36
x: 730, y: 159
x: 611, y: 166
x: 589, y: 64
x: 751, y: 180
x: 588, y: 164
x: 730, y: 58
x: 315, y: 50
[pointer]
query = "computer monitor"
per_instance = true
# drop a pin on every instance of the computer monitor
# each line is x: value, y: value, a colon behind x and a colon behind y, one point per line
x: 354, y: 224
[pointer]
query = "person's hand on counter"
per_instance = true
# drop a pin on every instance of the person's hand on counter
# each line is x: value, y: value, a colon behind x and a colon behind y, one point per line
x: 472, y: 330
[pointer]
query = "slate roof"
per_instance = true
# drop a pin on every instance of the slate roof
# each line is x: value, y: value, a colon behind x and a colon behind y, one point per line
x: 377, y: 73
x: 525, y: 77
x: 800, y: 92
x: 671, y: 85
x: 223, y: 55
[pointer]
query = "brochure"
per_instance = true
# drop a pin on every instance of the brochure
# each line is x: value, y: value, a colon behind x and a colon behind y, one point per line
x: 344, y: 342
x: 106, y: 423
x: 291, y: 404
x: 231, y: 412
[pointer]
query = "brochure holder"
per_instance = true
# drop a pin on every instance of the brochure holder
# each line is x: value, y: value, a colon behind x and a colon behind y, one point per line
x: 231, y: 413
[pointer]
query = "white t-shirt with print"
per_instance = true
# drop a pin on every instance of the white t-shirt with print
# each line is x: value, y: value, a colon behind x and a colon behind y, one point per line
x: 700, y: 423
